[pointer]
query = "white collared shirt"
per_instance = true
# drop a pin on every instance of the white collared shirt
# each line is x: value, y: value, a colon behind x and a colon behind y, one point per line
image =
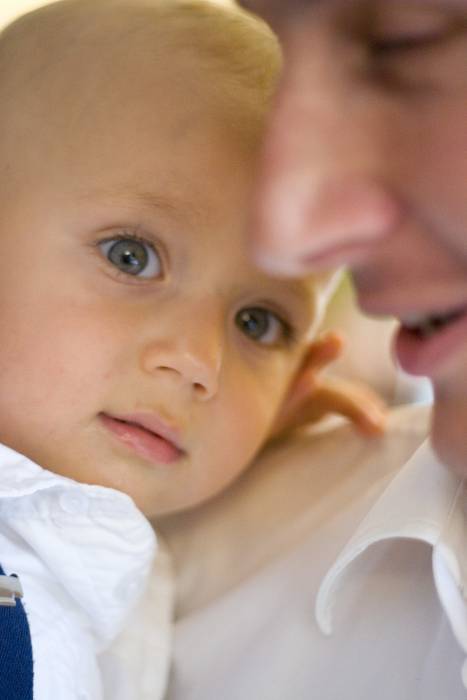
x: 86, y: 558
x: 424, y: 503
x: 374, y: 531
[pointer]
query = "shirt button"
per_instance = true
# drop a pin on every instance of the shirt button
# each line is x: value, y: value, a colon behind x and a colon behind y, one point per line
x: 73, y: 503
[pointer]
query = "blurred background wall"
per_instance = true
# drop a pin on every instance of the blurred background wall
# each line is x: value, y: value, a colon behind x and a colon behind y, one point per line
x: 9, y: 9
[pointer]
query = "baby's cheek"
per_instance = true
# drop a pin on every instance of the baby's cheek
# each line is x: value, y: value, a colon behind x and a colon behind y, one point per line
x: 48, y: 369
x: 250, y: 423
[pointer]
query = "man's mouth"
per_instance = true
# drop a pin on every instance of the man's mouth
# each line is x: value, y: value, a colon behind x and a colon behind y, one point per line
x: 426, y: 326
x: 146, y: 435
x: 425, y: 342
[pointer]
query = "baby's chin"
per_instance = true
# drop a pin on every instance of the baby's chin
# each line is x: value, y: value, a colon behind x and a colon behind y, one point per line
x: 172, y: 506
x: 177, y: 503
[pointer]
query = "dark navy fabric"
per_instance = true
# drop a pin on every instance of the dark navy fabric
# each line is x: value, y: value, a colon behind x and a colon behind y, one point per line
x: 16, y: 665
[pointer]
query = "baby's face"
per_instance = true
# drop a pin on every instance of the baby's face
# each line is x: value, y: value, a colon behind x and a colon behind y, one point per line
x: 140, y: 348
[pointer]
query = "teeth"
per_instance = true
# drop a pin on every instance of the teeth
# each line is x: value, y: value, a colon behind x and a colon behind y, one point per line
x: 429, y: 327
x: 426, y: 326
x: 415, y: 321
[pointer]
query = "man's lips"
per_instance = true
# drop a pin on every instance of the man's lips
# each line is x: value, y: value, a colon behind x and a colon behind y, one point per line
x: 145, y: 434
x: 431, y: 332
x: 424, y: 348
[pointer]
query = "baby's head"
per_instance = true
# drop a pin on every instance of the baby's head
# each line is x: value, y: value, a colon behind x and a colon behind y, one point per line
x: 141, y: 349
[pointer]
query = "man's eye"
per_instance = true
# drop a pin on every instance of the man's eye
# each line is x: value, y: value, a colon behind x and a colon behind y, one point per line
x: 391, y: 44
x: 262, y: 326
x: 133, y: 257
x: 407, y: 27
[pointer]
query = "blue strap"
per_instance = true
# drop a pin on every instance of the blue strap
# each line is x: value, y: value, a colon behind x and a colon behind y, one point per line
x: 16, y: 665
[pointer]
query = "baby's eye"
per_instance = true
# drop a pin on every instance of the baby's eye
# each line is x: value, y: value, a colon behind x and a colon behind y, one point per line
x: 262, y: 326
x: 132, y: 256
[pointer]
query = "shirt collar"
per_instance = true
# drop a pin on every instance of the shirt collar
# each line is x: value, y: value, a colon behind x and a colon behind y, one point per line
x: 93, y: 540
x: 424, y: 502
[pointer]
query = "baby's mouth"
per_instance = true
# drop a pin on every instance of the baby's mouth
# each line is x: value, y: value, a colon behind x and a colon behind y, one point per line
x: 146, y: 435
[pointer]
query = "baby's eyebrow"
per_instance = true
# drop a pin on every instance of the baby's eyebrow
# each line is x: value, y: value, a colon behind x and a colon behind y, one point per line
x: 151, y: 200
x: 130, y: 197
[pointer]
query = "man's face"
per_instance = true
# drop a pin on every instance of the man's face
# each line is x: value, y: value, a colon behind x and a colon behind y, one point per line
x: 365, y: 163
x: 140, y: 349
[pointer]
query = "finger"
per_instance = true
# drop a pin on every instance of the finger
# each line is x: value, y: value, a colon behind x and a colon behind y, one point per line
x: 324, y: 350
x: 361, y: 405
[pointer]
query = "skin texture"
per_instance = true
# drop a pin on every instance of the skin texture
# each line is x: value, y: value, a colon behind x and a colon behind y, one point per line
x: 365, y: 164
x: 135, y: 149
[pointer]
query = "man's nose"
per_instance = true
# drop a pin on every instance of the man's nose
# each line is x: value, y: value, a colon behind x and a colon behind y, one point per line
x: 189, y: 356
x: 324, y: 196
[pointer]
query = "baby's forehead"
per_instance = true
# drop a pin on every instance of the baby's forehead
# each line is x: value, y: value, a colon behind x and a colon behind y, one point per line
x: 80, y: 64
x: 89, y: 36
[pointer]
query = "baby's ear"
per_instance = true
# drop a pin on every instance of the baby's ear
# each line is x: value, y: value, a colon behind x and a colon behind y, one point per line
x: 311, y: 396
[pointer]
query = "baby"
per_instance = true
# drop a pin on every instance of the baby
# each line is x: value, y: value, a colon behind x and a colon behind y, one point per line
x: 144, y: 360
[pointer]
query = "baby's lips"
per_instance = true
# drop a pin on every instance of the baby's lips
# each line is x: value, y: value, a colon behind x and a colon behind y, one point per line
x: 153, y: 423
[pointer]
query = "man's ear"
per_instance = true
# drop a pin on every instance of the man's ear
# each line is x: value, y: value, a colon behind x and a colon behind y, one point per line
x: 310, y: 397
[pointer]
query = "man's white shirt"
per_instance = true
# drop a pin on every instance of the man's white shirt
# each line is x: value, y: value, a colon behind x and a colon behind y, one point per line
x: 335, y: 569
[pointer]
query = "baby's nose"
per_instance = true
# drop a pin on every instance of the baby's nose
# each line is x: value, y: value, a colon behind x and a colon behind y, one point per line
x: 191, y: 359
